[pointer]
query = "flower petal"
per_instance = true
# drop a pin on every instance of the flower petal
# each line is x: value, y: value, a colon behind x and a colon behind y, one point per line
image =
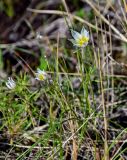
x: 40, y: 75
x: 11, y: 80
x: 10, y: 83
x: 39, y: 70
x: 75, y: 34
x: 84, y: 32
x: 72, y: 40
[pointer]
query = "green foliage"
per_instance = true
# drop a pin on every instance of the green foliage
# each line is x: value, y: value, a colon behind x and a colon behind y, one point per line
x: 7, y: 7
x: 43, y: 61
x: 80, y: 13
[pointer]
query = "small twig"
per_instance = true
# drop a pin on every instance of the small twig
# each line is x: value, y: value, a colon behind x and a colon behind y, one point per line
x: 122, y: 37
x: 22, y: 146
x: 116, y: 103
x: 62, y: 13
x: 18, y: 56
x: 67, y: 10
x: 20, y: 43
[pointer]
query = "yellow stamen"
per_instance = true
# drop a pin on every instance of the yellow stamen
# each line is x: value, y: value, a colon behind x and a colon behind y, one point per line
x: 82, y: 41
x: 41, y: 77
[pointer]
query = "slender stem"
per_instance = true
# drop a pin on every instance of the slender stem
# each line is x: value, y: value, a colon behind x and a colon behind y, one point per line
x: 84, y: 75
x: 81, y: 70
x: 85, y: 86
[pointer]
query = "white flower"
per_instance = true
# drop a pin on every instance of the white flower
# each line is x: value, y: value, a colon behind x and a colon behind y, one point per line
x: 38, y: 36
x: 80, y: 39
x: 10, y: 83
x: 40, y: 75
